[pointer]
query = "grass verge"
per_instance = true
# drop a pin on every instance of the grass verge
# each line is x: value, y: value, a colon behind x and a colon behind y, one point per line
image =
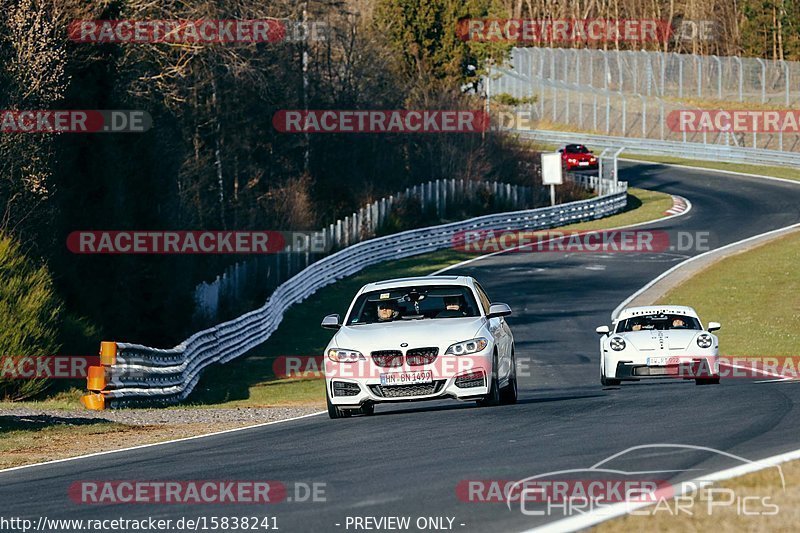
x: 755, y: 291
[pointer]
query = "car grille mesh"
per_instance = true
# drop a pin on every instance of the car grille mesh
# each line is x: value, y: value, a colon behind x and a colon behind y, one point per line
x: 421, y: 356
x: 388, y: 358
x: 400, y: 391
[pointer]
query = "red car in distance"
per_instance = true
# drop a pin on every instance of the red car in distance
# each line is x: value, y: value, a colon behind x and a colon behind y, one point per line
x: 577, y: 156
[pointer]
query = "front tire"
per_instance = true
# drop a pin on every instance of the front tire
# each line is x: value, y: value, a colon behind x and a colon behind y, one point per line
x: 493, y: 398
x: 333, y: 411
x: 607, y: 382
x: 508, y: 396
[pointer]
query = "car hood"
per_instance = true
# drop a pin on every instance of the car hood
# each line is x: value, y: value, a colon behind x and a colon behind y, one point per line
x: 416, y: 333
x: 580, y: 156
x: 673, y: 339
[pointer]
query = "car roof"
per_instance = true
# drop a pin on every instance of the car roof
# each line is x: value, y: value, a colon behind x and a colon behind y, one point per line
x: 411, y: 282
x: 654, y: 309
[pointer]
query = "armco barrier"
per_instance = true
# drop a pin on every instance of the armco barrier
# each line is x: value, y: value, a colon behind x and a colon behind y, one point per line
x: 132, y: 374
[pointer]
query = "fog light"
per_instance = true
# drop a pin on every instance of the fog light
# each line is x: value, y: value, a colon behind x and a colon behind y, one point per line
x: 343, y: 388
x: 471, y: 380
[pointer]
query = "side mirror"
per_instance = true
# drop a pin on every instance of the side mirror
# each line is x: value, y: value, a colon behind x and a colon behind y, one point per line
x: 602, y: 330
x: 714, y: 326
x: 496, y: 310
x: 331, y: 322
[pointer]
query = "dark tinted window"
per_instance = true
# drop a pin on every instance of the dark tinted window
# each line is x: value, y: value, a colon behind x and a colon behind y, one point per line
x: 658, y: 322
x: 577, y: 149
x: 413, y: 303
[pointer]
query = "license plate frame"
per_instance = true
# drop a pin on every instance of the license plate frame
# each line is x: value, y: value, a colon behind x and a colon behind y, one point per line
x: 664, y: 360
x: 415, y: 377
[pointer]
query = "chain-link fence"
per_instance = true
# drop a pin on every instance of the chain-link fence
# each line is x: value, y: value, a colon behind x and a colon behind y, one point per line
x: 622, y: 94
x: 666, y: 75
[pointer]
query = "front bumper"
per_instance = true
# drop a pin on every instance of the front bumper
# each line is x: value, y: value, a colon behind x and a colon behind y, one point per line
x: 455, y: 380
x: 690, y: 367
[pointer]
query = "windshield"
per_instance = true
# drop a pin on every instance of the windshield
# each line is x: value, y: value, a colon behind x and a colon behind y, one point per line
x: 658, y: 322
x: 577, y: 149
x: 413, y: 303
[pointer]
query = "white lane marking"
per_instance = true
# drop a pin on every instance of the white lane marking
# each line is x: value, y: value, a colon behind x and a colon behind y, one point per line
x: 141, y: 446
x: 758, y: 370
x: 601, y: 514
x: 472, y: 260
x: 666, y: 273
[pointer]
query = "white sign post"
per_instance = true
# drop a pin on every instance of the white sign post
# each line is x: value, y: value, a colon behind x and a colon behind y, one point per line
x: 551, y: 173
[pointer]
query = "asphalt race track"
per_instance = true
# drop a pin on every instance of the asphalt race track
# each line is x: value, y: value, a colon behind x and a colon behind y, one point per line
x: 408, y: 459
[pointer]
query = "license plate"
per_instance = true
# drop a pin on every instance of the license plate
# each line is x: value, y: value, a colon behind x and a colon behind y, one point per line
x: 407, y: 378
x: 662, y: 361
x: 584, y: 163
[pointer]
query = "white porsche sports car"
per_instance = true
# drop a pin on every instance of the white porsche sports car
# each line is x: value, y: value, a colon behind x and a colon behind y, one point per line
x: 419, y: 339
x: 658, y: 342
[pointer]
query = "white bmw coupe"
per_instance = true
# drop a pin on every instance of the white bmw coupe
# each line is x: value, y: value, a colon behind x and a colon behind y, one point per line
x: 419, y: 339
x: 658, y: 342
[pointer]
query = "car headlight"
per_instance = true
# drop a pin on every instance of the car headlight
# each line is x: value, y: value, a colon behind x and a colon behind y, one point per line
x: 467, y: 347
x: 617, y: 344
x: 705, y: 341
x: 343, y: 355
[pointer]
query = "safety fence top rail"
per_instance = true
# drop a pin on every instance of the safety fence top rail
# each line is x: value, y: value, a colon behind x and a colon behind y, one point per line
x: 141, y: 375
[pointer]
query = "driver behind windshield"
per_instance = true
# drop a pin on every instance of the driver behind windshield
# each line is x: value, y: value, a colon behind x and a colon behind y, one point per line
x: 453, y: 308
x: 387, y: 311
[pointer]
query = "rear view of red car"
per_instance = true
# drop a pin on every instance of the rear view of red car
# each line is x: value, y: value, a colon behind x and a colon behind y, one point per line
x: 577, y: 156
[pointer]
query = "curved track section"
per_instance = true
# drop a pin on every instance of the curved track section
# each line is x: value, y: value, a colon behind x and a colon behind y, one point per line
x: 408, y: 459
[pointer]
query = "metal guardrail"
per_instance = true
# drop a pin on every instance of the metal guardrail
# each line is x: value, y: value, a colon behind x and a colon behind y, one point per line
x: 132, y: 374
x: 266, y: 273
x: 711, y: 152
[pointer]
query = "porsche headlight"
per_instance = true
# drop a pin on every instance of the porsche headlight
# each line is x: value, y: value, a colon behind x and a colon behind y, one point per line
x: 705, y: 341
x: 343, y: 355
x: 467, y: 347
x: 617, y: 344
